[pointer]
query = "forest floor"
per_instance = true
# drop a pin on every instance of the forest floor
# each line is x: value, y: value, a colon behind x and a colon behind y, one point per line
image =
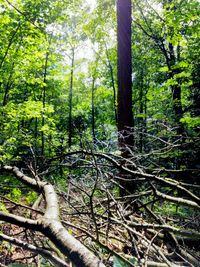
x: 114, y: 236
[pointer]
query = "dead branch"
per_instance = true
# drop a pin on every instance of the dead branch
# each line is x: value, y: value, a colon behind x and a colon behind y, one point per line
x: 44, y: 253
x: 50, y: 224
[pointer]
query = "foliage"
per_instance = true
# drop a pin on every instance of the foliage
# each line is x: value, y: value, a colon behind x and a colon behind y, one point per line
x: 31, y: 197
x: 58, y: 80
x: 119, y: 263
x: 15, y: 194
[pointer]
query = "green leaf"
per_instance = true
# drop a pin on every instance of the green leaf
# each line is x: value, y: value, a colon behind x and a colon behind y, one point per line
x: 191, y: 122
x: 141, y: 115
x: 118, y: 262
x: 164, y: 69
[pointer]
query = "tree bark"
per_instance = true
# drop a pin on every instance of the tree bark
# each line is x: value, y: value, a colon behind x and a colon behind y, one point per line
x: 125, y: 114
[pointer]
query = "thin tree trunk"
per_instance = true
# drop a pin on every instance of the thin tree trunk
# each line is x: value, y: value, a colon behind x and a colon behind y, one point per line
x: 9, y: 82
x: 7, y: 89
x: 70, y: 98
x: 141, y: 111
x: 113, y: 85
x: 44, y: 99
x: 93, y: 111
x: 176, y: 90
x: 9, y: 45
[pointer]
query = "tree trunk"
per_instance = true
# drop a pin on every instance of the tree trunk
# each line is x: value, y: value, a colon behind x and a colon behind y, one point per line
x: 176, y: 89
x: 142, y: 121
x: 70, y: 98
x: 44, y: 98
x: 93, y: 111
x: 113, y: 84
x: 125, y: 114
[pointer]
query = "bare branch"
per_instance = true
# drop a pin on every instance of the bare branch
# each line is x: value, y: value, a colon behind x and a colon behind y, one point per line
x: 177, y: 200
x: 50, y: 224
x: 20, y: 221
x: 140, y: 173
x: 44, y: 253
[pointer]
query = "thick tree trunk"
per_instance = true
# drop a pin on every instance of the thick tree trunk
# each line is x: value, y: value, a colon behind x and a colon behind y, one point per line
x: 125, y: 114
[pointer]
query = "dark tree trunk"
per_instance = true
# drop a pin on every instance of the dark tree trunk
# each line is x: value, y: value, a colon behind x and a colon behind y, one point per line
x: 125, y: 114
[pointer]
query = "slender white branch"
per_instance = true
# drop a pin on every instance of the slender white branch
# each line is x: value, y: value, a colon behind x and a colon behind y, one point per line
x: 163, y: 227
x: 43, y: 252
x: 177, y: 200
x: 20, y: 221
x: 50, y: 224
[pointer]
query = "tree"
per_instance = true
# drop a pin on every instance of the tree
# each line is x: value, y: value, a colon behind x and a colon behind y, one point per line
x: 124, y: 103
x: 125, y: 114
x: 49, y: 224
x: 167, y: 31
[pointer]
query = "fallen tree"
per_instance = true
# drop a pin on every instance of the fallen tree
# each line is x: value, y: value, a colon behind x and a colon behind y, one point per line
x: 106, y: 226
x: 49, y: 224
